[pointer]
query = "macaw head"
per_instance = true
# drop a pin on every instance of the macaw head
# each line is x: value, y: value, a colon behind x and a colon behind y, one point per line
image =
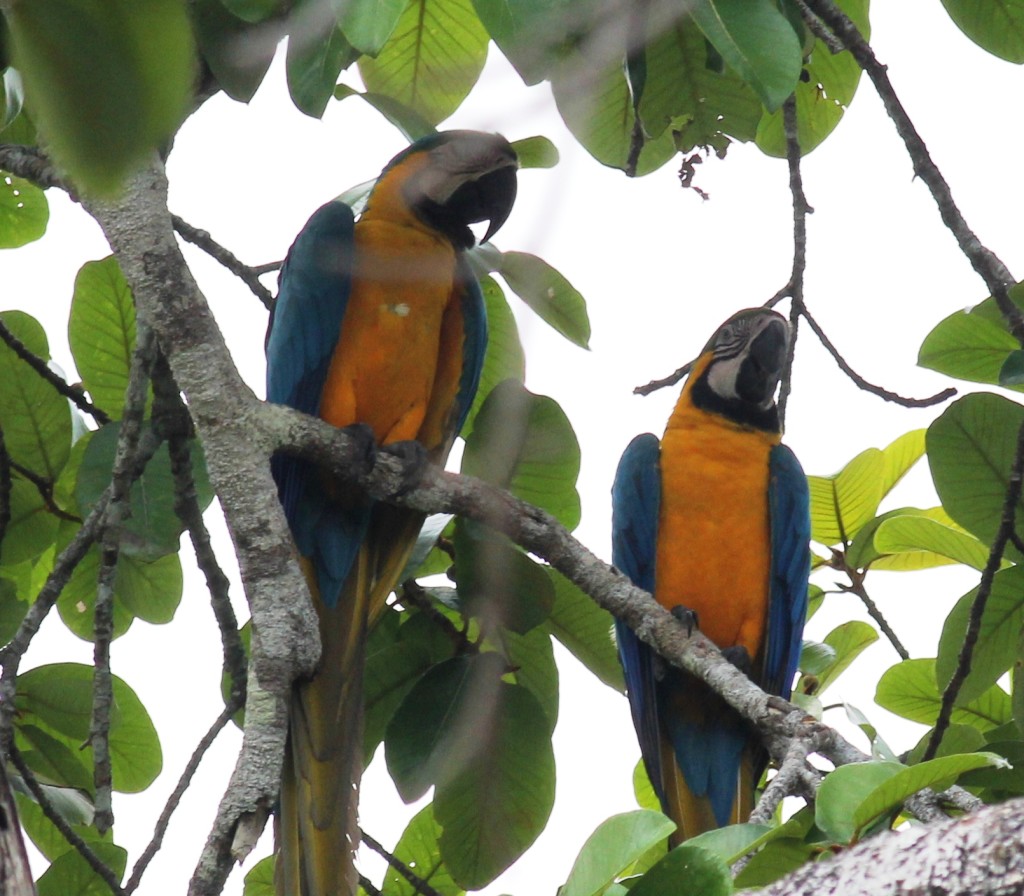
x: 458, y: 178
x: 742, y: 366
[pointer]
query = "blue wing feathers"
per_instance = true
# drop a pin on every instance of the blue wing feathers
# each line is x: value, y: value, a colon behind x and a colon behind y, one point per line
x: 474, y: 316
x: 788, y: 502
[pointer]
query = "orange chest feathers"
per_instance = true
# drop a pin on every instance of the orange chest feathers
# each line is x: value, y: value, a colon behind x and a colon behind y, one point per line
x: 714, y: 550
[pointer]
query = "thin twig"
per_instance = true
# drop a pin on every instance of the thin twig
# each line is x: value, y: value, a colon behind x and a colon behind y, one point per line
x: 105, y: 872
x: 862, y: 383
x: 248, y: 275
x: 414, y: 880
x: 58, y: 383
x: 160, y: 829
x: 670, y: 380
x: 45, y: 488
x: 801, y: 210
x: 269, y: 267
x: 995, y: 559
x: 856, y: 586
x: 991, y: 269
x: 367, y: 885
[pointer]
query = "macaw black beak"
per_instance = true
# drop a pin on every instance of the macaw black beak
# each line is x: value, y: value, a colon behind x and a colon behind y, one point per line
x: 762, y: 366
x: 498, y: 194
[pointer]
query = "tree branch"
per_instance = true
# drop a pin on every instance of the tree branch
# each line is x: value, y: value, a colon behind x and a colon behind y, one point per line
x: 418, y: 884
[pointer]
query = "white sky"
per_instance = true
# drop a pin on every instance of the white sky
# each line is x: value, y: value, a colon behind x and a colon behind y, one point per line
x: 660, y: 269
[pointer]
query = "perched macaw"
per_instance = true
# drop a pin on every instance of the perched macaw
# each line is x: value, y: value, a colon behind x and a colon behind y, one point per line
x: 378, y: 322
x: 714, y: 520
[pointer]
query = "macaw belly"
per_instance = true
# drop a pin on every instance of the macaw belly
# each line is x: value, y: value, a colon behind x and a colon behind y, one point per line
x: 713, y: 532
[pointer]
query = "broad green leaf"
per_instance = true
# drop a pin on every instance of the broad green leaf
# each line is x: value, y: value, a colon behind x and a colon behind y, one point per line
x: 255, y: 10
x: 259, y: 880
x: 108, y: 81
x: 594, y: 101
x: 58, y: 697
x: 367, y: 24
x: 54, y: 760
x: 504, y: 358
x: 970, y: 451
x: 536, y: 35
x: 412, y: 125
x: 971, y: 345
x: 996, y: 649
x: 36, y: 420
x: 757, y: 41
x: 12, y: 610
x: 843, y: 790
x: 1001, y: 782
x: 31, y: 528
x: 24, y: 211
x: 74, y: 807
x: 686, y: 869
x: 525, y: 443
x: 643, y: 790
x: 955, y: 739
x: 733, y: 841
x: 432, y: 58
x: 911, y: 534
x: 418, y: 848
x: 843, y: 503
x: 396, y: 657
x: 1012, y: 372
x: 237, y: 53
x: 821, y: 99
x: 153, y: 528
x: 71, y: 875
x: 101, y: 331
x: 614, y: 845
x: 937, y: 773
x: 313, y: 63
x: 532, y: 657
x: 994, y: 25
x: 900, y: 455
x: 498, y: 802
x: 909, y: 690
x: 775, y: 861
x: 536, y: 152
x: 549, y: 294
x: 848, y: 640
x: 586, y: 630
x: 815, y: 657
x: 498, y: 583
x: 77, y: 601
x: 879, y: 748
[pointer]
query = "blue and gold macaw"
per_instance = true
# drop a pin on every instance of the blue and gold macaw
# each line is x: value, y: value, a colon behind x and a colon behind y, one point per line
x: 714, y: 519
x: 378, y: 323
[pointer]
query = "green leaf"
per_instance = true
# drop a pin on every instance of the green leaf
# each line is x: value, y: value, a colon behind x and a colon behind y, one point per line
x: 956, y: 739
x: 71, y: 875
x: 74, y: 807
x: 368, y: 24
x: 921, y: 535
x: 971, y: 345
x: 12, y: 610
x: 536, y: 152
x: 1012, y: 372
x: 418, y: 849
x: 775, y: 861
x: 525, y: 443
x: 498, y: 583
x: 255, y: 10
x: 313, y: 63
x: 756, y: 41
x: 994, y: 25
x: 848, y: 641
x: 733, y: 841
x: 843, y: 791
x: 153, y: 528
x: 821, y: 99
x: 937, y: 773
x: 533, y: 658
x: 498, y: 802
x: 842, y: 503
x: 58, y: 698
x: 432, y: 58
x: 971, y: 448
x: 396, y: 657
x: 613, y: 847
x: 409, y: 122
x: 549, y: 294
x: 686, y: 869
x: 108, y: 81
x: 101, y: 331
x: 220, y: 35
x: 259, y: 880
x: 643, y: 790
x: 32, y: 528
x: 504, y: 358
x: 585, y: 629
x: 1001, y: 782
x: 36, y: 420
x: 24, y: 211
x: 909, y: 690
x: 996, y: 649
x: 815, y: 657
x: 900, y: 455
x: 53, y: 760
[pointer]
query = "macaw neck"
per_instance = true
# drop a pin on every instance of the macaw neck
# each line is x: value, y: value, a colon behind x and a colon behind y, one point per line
x: 699, y: 400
